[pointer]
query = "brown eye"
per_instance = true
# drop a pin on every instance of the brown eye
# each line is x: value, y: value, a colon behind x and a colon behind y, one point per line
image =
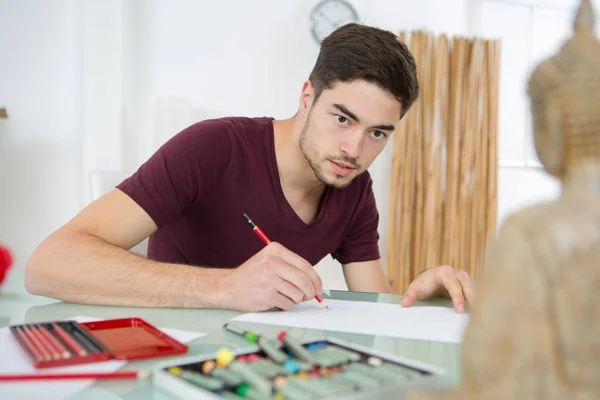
x: 378, y: 135
x: 341, y: 119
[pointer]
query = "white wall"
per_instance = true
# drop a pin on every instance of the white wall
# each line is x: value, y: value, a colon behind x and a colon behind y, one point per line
x: 100, y: 84
x: 40, y: 157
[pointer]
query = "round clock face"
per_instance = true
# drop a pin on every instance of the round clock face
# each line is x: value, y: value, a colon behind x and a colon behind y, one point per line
x: 329, y: 15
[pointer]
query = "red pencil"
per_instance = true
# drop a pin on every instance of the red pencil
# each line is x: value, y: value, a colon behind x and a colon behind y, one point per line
x: 69, y: 341
x: 30, y: 345
x: 265, y: 239
x: 44, y: 342
x: 90, y: 375
x: 55, y: 343
x: 35, y: 341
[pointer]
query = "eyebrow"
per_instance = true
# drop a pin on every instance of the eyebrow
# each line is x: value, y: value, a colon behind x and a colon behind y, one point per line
x: 342, y: 108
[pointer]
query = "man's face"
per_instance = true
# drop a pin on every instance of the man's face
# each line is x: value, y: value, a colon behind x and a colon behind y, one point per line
x: 346, y: 129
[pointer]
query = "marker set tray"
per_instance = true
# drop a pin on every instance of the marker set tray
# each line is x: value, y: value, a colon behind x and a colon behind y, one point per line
x: 337, y: 370
x: 62, y: 343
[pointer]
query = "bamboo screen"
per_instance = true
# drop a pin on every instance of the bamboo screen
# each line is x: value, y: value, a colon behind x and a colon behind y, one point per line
x: 444, y: 177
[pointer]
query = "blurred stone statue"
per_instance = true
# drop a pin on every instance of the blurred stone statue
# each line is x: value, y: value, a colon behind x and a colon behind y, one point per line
x: 535, y: 322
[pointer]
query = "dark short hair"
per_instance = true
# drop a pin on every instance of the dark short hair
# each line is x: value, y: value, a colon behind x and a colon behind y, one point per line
x: 354, y: 51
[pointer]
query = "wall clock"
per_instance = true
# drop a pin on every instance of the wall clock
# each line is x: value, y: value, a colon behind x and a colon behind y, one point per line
x: 329, y: 15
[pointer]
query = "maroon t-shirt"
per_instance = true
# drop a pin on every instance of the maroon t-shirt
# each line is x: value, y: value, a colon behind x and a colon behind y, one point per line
x: 198, y: 184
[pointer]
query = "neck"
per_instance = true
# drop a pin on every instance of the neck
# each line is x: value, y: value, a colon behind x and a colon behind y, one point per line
x: 295, y: 172
x: 583, y: 178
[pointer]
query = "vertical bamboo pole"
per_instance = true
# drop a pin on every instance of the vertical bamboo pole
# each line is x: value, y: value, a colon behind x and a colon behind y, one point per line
x: 408, y: 184
x: 442, y: 104
x: 459, y: 51
x: 482, y: 167
x: 417, y: 133
x: 475, y: 220
x: 432, y: 153
x: 395, y: 236
x: 492, y: 201
x: 467, y: 154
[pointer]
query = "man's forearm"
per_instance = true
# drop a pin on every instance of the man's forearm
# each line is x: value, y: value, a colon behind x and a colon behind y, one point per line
x: 83, y: 268
x: 366, y: 276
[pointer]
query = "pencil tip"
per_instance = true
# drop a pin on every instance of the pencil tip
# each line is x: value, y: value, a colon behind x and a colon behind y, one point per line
x: 143, y: 374
x: 247, y: 218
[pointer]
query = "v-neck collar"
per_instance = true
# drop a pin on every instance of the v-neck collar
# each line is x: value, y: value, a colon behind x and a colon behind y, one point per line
x: 288, y: 209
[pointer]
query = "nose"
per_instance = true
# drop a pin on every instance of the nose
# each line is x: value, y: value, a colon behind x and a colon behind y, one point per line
x: 352, y: 144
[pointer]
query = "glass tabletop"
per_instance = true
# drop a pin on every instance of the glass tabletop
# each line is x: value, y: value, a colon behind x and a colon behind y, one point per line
x: 16, y: 306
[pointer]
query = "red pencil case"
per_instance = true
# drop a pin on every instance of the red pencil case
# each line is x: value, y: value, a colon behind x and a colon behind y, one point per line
x: 62, y: 343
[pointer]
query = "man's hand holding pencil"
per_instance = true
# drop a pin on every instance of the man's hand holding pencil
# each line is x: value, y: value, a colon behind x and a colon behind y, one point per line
x: 273, y: 277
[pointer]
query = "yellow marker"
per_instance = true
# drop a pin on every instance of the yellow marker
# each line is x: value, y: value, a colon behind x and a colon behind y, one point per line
x: 224, y: 357
x: 303, y: 375
x: 175, y: 370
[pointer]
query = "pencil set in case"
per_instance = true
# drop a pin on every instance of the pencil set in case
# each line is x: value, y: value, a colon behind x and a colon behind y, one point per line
x: 62, y: 343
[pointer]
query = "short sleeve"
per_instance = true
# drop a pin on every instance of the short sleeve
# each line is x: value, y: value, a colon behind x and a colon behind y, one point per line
x: 188, y: 166
x: 361, y: 241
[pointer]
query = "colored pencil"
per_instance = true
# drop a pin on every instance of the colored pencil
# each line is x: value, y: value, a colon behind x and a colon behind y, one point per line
x: 58, y: 347
x: 69, y: 341
x: 48, y: 348
x: 266, y: 240
x: 33, y: 339
x: 90, y: 375
x: 30, y: 345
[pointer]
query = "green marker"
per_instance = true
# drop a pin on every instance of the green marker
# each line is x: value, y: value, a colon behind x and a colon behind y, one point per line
x: 267, y: 368
x: 210, y: 368
x: 226, y: 359
x: 292, y: 392
x: 277, y: 355
x: 325, y: 361
x: 307, y: 386
x: 331, y: 356
x: 251, y: 393
x: 296, y: 348
x: 349, y: 354
x: 255, y: 379
x: 356, y: 378
x: 198, y: 379
x: 328, y: 386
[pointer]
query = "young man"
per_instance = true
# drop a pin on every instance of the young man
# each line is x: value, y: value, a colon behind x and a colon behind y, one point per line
x: 303, y: 181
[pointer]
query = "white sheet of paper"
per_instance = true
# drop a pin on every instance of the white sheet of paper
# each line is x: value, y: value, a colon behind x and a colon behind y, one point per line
x: 438, y: 324
x: 13, y: 360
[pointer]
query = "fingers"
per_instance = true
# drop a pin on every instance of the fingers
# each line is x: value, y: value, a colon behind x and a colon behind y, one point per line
x: 288, y: 290
x: 449, y: 281
x: 301, y: 264
x: 297, y: 279
x: 411, y: 295
x: 408, y: 300
x: 280, y: 301
x: 424, y: 287
x: 468, y: 286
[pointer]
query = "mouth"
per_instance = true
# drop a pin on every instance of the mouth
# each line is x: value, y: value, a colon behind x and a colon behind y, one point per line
x: 342, y: 168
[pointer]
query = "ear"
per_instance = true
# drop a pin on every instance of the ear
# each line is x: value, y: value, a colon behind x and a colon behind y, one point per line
x: 548, y: 135
x: 306, y: 97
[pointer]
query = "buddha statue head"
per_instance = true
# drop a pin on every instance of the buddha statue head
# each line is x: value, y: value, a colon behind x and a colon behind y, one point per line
x: 565, y: 101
